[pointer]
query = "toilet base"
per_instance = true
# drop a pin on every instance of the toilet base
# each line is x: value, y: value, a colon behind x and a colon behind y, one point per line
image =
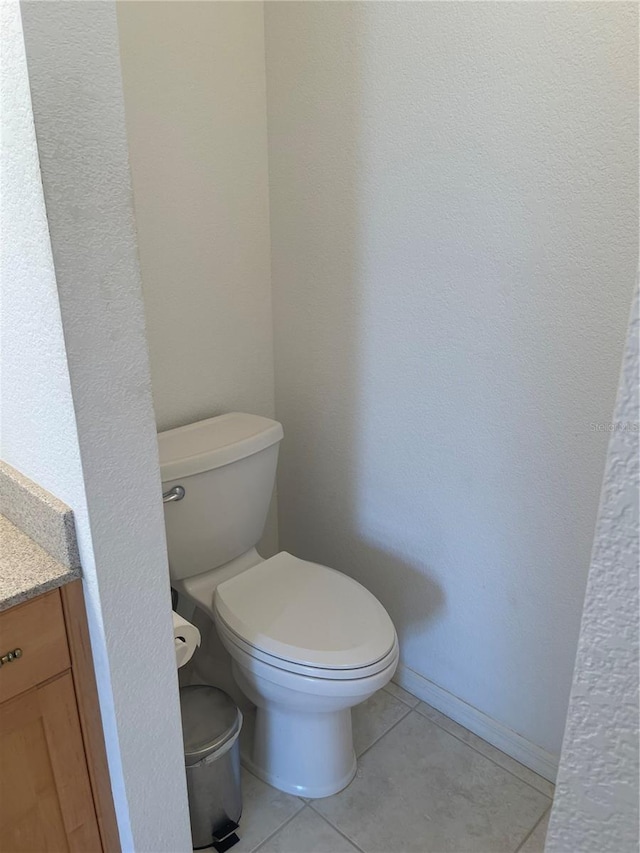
x: 302, y: 741
x: 309, y: 755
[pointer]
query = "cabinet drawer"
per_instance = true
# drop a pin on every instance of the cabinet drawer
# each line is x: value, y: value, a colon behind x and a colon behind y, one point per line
x: 37, y: 628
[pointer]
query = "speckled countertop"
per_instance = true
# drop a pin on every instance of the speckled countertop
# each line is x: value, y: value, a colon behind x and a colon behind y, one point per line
x: 26, y: 569
x: 38, y: 547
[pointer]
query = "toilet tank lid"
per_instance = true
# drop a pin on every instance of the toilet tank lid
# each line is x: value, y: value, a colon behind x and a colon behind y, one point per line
x: 214, y: 442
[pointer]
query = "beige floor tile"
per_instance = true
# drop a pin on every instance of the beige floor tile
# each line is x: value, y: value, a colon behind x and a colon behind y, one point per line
x: 402, y: 694
x: 535, y: 842
x: 510, y: 764
x: 264, y: 810
x: 374, y: 717
x: 307, y: 833
x: 421, y: 790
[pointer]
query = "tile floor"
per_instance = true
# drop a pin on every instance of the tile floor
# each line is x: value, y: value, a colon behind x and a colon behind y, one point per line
x: 424, y: 785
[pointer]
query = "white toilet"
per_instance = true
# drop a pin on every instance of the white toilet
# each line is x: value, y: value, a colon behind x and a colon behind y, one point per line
x: 306, y: 642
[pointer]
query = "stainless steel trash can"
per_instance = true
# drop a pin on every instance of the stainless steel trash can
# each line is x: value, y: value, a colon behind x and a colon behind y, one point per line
x: 211, y: 724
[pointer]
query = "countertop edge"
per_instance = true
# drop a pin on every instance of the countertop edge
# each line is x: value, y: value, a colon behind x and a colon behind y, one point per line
x: 39, y: 589
x: 26, y: 568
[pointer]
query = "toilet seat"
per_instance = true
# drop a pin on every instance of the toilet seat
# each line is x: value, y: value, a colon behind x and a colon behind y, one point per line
x: 232, y: 640
x: 306, y: 618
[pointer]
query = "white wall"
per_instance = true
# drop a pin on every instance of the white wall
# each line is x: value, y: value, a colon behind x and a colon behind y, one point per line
x: 595, y: 809
x: 38, y: 438
x: 194, y: 85
x: 454, y: 242
x: 196, y: 115
x: 81, y: 424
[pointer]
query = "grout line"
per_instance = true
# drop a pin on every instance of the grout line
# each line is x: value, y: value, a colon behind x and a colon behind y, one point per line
x: 385, y: 732
x: 340, y: 832
x: 276, y: 831
x: 533, y: 829
x: 506, y: 770
x: 310, y: 803
x: 412, y: 707
x: 334, y: 827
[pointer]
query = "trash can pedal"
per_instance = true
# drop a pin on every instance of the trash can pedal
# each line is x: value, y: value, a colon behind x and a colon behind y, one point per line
x: 225, y: 836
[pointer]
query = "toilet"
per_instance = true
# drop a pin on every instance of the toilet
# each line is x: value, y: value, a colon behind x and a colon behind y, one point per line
x: 303, y: 642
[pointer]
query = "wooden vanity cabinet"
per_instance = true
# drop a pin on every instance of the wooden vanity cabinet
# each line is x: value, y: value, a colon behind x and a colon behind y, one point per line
x: 55, y: 793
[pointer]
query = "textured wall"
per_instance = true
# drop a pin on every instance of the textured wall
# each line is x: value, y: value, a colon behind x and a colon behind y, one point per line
x: 38, y: 438
x: 72, y: 57
x: 194, y: 85
x: 454, y: 243
x: 596, y: 804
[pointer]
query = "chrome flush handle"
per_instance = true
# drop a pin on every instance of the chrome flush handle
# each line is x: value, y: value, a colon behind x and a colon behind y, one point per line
x: 174, y: 494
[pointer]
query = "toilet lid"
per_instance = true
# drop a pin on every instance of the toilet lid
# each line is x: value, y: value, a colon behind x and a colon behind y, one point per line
x: 306, y: 613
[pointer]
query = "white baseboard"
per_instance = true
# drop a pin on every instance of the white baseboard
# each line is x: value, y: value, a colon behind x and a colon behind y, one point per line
x: 534, y: 757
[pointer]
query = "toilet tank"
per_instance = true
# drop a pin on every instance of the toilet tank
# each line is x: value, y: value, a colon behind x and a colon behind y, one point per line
x: 227, y: 468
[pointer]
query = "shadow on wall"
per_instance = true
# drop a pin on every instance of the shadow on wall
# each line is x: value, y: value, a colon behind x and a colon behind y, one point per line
x: 322, y: 207
x: 443, y: 341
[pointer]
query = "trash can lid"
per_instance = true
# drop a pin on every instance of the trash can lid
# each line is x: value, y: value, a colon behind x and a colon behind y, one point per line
x: 209, y: 719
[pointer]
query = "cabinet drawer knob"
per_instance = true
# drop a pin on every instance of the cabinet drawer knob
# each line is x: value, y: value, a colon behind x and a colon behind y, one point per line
x: 10, y: 656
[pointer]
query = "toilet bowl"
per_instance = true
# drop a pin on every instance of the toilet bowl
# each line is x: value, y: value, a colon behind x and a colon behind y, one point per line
x: 305, y: 643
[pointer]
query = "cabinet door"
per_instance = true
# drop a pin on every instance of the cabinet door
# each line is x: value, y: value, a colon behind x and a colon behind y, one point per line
x: 45, y: 794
